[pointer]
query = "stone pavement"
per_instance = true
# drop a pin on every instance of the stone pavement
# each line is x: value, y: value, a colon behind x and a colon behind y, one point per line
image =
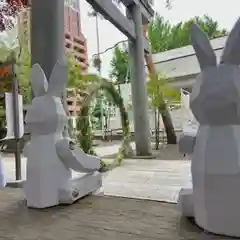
x: 109, y: 150
x: 144, y: 179
x: 9, y: 162
x: 95, y: 218
x: 148, y: 179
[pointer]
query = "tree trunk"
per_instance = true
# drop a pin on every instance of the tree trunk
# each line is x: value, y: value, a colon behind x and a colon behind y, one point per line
x: 168, y: 125
x: 157, y: 129
x: 155, y: 122
x: 119, y: 89
x: 166, y: 117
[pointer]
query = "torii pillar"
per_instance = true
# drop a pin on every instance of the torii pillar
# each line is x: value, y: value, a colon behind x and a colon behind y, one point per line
x: 47, y: 33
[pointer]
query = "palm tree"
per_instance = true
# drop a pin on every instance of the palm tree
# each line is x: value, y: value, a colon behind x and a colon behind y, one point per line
x: 120, y: 67
x: 97, y: 60
x: 97, y: 63
x: 89, y: 86
x: 163, y: 36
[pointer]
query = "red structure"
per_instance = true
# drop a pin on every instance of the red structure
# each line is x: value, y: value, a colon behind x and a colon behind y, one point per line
x: 75, y: 42
x: 74, y: 38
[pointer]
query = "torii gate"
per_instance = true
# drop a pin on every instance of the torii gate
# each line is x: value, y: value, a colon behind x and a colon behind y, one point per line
x: 47, y: 41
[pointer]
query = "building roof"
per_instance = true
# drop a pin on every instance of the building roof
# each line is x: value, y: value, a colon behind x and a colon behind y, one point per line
x: 181, y: 62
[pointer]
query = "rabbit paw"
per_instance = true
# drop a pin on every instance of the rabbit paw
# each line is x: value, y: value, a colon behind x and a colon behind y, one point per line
x: 75, y: 193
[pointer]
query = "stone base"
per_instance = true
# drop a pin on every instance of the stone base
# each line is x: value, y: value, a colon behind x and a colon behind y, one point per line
x: 83, y: 186
x: 143, y: 157
x: 16, y: 184
x: 99, y: 192
x: 185, y: 202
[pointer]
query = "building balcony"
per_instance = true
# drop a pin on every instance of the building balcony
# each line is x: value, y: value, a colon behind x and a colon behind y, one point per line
x: 81, y: 56
x: 79, y: 41
x: 83, y: 66
x: 68, y: 35
x: 78, y: 49
x: 80, y: 46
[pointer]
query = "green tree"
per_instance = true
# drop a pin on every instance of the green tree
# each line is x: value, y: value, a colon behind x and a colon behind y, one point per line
x: 160, y: 96
x: 99, y: 110
x: 109, y: 88
x: 23, y: 74
x: 80, y: 82
x: 163, y: 36
x: 119, y: 72
x: 8, y: 46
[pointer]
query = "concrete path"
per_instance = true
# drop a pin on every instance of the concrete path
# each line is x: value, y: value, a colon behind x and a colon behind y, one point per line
x: 148, y: 179
x: 9, y: 162
x: 144, y: 179
x: 95, y: 218
x: 109, y: 150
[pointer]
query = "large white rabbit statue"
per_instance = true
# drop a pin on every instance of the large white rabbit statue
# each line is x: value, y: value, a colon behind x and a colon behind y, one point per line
x: 215, y: 167
x: 49, y: 157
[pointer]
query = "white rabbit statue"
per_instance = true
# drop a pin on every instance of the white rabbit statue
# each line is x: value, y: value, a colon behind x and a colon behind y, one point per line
x: 215, y: 167
x: 49, y: 157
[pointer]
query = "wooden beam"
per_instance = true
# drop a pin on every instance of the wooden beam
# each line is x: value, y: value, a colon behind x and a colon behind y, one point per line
x: 146, y: 9
x: 113, y: 14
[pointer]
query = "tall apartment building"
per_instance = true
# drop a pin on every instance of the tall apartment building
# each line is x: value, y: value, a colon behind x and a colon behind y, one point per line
x: 75, y: 42
x: 74, y: 38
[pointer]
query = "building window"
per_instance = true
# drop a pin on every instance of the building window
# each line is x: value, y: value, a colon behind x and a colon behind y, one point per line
x: 79, y: 41
x: 78, y: 49
x: 67, y: 36
x: 68, y: 45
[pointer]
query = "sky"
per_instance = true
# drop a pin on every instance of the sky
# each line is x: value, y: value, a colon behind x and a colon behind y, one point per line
x: 225, y: 12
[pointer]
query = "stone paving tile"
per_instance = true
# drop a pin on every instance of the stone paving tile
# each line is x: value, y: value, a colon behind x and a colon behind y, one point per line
x: 161, y: 185
x: 126, y: 176
x: 95, y: 218
x: 150, y: 179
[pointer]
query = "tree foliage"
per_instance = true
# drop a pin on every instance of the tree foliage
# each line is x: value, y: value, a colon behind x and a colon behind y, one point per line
x: 107, y: 87
x: 9, y: 48
x: 160, y: 93
x: 164, y: 36
x: 119, y: 66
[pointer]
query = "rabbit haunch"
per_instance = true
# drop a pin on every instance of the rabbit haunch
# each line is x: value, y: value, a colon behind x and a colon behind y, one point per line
x: 215, y: 97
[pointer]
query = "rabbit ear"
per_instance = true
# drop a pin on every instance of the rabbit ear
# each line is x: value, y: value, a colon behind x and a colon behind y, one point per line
x: 58, y: 79
x: 38, y: 81
x: 231, y: 52
x: 204, y: 52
